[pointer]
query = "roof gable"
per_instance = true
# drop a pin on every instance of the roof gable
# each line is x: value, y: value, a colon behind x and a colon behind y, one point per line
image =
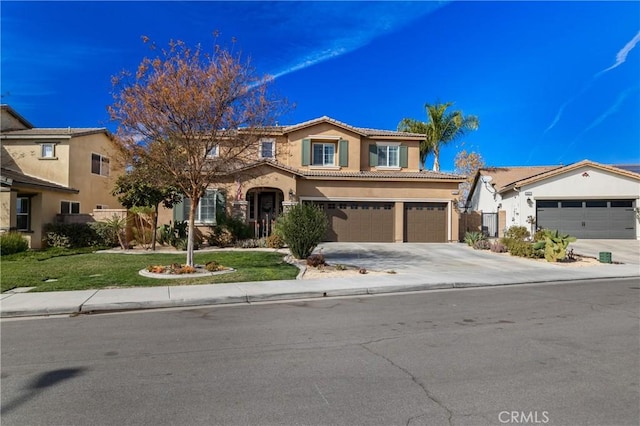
x: 572, y: 167
x: 504, y: 179
x: 10, y: 117
x: 362, y: 131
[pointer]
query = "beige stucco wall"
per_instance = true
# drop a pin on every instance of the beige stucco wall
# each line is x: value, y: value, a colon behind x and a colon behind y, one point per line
x: 94, y: 189
x: 327, y: 130
x: 8, y: 217
x: 9, y: 122
x: 24, y: 156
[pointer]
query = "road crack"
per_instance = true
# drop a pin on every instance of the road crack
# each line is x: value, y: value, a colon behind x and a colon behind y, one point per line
x: 415, y: 380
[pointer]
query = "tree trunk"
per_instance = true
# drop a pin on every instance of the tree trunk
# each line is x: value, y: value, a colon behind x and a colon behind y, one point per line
x: 436, y: 159
x: 192, y: 229
x: 155, y: 228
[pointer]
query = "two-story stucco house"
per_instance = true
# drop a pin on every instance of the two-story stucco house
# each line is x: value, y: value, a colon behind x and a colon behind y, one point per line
x: 584, y: 199
x: 47, y: 172
x: 369, y: 183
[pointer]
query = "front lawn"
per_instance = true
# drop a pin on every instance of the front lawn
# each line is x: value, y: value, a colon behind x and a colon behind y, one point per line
x: 74, y: 270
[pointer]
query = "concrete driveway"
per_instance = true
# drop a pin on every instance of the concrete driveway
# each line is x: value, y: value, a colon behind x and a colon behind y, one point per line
x: 420, y: 258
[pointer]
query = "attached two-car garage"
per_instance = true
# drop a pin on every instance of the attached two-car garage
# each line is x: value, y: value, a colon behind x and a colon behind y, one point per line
x: 593, y: 218
x: 360, y: 221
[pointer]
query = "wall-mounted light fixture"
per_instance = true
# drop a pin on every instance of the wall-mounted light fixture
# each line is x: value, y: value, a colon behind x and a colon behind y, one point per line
x: 291, y: 195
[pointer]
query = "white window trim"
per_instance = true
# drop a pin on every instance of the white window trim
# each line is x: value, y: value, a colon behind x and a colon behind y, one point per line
x: 324, y: 166
x: 101, y: 158
x: 215, y: 208
x: 53, y: 148
x: 273, y: 148
x: 324, y: 137
x: 216, y: 152
x: 387, y: 144
x: 71, y: 203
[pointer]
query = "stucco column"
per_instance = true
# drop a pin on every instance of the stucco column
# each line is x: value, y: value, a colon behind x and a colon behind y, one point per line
x: 287, y: 205
x: 8, y: 200
x: 240, y: 209
x: 399, y: 221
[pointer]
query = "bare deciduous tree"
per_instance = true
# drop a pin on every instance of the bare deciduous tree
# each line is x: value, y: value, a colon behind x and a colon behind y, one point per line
x: 196, y: 116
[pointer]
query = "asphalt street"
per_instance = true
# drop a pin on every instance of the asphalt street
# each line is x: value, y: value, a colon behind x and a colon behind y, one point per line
x: 558, y: 354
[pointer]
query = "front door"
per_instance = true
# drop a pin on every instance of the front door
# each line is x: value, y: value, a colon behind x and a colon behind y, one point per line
x: 267, y: 213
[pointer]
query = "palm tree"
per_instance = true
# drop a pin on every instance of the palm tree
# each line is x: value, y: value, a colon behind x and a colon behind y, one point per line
x: 442, y: 128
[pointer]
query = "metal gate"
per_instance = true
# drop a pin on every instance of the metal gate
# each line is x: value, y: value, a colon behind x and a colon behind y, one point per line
x: 490, y: 224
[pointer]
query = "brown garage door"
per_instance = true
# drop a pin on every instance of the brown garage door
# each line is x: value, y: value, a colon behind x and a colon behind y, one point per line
x: 359, y: 221
x: 425, y: 222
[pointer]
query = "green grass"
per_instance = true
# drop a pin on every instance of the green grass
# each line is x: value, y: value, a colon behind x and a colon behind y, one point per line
x: 82, y: 270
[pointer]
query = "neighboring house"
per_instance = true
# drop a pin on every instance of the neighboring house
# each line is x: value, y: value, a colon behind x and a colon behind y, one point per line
x: 584, y: 199
x: 51, y: 175
x: 369, y: 183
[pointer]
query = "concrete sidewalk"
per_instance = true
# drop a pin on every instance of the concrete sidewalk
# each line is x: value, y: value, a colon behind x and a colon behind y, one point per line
x: 477, y: 272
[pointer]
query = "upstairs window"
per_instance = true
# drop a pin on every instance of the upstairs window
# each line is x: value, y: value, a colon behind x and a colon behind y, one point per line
x: 388, y: 156
x: 48, y: 150
x: 323, y: 154
x: 213, y: 152
x: 99, y: 165
x: 267, y: 148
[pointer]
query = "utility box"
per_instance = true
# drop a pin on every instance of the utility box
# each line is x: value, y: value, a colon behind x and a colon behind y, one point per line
x: 605, y: 257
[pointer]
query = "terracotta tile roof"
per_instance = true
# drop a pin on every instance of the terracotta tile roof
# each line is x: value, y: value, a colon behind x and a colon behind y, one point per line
x: 55, y: 132
x: 360, y: 130
x: 503, y: 177
x: 425, y: 174
x: 20, y: 179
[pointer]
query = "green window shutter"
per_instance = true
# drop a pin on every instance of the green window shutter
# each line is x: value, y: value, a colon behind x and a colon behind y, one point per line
x: 306, y: 152
x: 178, y: 211
x: 373, y: 155
x: 343, y: 152
x: 404, y: 156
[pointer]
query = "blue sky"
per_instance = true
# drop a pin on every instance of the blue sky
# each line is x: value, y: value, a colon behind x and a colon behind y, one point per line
x: 551, y: 82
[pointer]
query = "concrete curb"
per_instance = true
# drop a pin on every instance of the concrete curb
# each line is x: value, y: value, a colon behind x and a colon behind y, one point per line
x: 103, y: 301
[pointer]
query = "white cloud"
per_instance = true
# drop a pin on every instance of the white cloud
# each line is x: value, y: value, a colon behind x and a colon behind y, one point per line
x: 621, y: 57
x: 349, y: 27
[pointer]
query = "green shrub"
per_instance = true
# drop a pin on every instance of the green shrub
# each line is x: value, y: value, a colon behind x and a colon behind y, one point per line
x: 228, y: 232
x: 71, y: 235
x: 12, y: 242
x: 181, y: 244
x: 473, y: 237
x: 302, y: 228
x: 517, y: 233
x: 176, y: 233
x: 522, y: 248
x: 107, y: 235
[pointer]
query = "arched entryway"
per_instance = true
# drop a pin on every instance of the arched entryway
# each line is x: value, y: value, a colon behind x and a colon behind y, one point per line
x: 263, y: 208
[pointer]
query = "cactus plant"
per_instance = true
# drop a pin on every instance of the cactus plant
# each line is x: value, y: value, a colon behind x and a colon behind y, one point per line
x: 554, y: 245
